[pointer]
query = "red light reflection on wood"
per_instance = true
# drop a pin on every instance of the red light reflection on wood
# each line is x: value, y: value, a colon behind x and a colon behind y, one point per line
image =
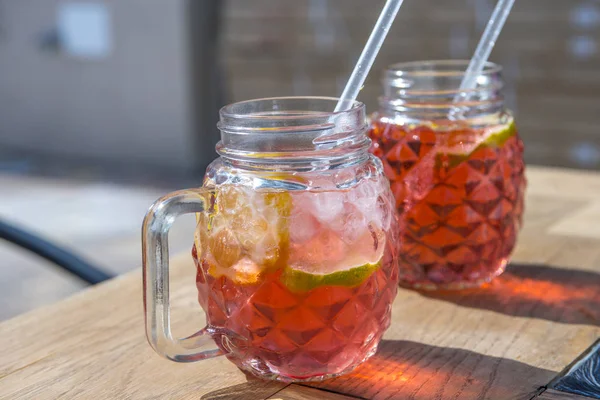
x: 562, y: 295
x: 409, y: 370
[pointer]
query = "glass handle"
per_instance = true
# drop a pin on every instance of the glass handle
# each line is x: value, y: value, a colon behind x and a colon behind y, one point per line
x: 155, y: 253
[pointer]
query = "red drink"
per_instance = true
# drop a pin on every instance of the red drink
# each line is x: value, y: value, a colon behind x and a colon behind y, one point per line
x: 308, y: 294
x: 325, y: 331
x: 459, y: 192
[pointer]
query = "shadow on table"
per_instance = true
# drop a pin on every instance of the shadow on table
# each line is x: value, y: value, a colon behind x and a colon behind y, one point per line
x: 403, y: 369
x: 562, y: 295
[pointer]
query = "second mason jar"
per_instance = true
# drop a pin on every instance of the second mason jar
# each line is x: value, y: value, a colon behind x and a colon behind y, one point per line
x: 455, y: 163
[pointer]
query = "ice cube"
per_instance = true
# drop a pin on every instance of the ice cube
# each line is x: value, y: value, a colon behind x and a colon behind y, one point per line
x: 364, y: 197
x: 267, y: 250
x: 249, y: 229
x: 420, y: 179
x: 327, y: 206
x: 368, y: 190
x: 303, y: 226
x: 386, y: 211
x: 369, y: 247
x: 354, y: 224
x: 224, y: 247
x: 322, y: 254
x: 245, y: 271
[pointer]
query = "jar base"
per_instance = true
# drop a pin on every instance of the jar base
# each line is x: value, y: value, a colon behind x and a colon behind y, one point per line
x: 268, y: 374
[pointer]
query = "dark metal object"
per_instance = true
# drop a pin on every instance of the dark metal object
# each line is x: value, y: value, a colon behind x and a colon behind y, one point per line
x: 583, y: 376
x: 64, y: 259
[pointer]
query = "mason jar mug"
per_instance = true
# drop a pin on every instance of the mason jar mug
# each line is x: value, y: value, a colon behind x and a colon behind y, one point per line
x: 295, y: 246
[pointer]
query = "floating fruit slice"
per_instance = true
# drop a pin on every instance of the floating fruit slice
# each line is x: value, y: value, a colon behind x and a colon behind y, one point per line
x: 461, y: 144
x: 246, y: 233
x: 301, y: 281
x: 466, y: 141
x: 328, y: 261
x: 244, y: 272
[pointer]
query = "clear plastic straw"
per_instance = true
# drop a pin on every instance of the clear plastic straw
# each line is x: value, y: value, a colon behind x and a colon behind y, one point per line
x: 484, y: 48
x: 369, y: 53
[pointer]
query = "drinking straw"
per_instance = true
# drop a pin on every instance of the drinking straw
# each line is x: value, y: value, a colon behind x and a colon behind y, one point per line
x: 368, y: 55
x: 485, y: 46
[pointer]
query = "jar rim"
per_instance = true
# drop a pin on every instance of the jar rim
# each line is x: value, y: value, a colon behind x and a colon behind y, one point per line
x: 235, y: 110
x: 302, y: 129
x: 437, y: 68
x: 432, y: 90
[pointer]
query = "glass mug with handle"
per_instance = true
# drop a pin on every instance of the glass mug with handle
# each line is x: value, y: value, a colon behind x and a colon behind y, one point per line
x: 295, y: 247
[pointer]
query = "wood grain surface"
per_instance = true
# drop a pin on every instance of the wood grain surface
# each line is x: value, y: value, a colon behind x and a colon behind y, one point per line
x: 298, y: 392
x: 504, y: 341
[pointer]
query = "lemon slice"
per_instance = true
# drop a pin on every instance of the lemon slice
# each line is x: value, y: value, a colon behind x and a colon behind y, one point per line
x: 246, y: 234
x: 462, y: 144
x: 301, y: 281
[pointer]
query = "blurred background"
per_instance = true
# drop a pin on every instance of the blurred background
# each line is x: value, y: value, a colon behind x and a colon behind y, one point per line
x: 107, y: 105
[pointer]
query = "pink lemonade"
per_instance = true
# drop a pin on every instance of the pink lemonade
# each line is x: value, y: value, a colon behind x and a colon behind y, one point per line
x: 459, y: 192
x: 298, y: 285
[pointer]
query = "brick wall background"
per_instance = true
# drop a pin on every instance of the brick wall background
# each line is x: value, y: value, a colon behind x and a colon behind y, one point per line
x: 550, y: 50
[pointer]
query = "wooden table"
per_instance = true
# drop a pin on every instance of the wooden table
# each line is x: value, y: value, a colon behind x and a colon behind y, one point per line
x: 505, y: 341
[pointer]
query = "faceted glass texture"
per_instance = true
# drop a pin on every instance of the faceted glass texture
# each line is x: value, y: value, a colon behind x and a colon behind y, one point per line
x: 460, y: 194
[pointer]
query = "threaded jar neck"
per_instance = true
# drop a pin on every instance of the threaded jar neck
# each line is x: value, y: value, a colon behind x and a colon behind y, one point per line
x: 288, y: 132
x: 430, y: 90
